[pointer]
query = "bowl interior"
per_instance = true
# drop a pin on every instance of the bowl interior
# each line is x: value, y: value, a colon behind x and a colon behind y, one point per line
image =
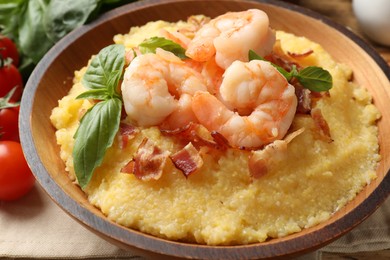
x: 53, y: 78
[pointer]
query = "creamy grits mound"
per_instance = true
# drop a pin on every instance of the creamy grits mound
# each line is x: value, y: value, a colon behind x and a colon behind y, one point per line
x: 220, y: 204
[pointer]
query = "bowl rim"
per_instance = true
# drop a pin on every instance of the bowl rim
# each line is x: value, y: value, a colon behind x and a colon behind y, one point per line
x: 146, y: 242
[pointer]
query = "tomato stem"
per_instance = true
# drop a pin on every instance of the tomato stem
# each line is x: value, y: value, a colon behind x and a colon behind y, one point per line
x: 4, y: 62
x: 5, y: 101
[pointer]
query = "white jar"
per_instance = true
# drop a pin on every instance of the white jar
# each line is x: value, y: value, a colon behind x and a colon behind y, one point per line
x: 374, y: 18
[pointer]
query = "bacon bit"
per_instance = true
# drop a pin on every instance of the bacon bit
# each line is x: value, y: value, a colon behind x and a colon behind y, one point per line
x: 300, y: 55
x: 257, y: 167
x: 316, y: 96
x: 148, y: 163
x: 197, y: 22
x: 321, y: 126
x: 126, y: 133
x: 220, y: 140
x: 281, y: 62
x: 280, y: 58
x: 199, y: 135
x: 128, y: 168
x: 188, y: 159
x: 304, y: 98
x: 260, y: 161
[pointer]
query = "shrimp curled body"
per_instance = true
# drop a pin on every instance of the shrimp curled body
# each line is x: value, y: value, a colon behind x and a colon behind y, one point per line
x: 156, y: 86
x: 230, y: 37
x: 257, y: 106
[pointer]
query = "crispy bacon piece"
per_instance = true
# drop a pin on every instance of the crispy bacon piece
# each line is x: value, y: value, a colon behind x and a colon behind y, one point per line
x: 221, y: 142
x: 322, y: 127
x: 196, y: 22
x: 148, y: 163
x: 129, y: 167
x: 260, y: 161
x: 188, y: 159
x: 281, y: 62
x: 126, y: 133
x: 258, y: 166
x: 304, y: 98
x: 281, y: 59
x: 199, y: 135
x: 300, y: 55
x: 286, y: 60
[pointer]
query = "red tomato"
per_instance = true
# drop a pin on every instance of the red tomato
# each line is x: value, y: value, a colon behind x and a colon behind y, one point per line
x: 9, y: 129
x: 9, y: 78
x: 16, y: 178
x: 8, y: 50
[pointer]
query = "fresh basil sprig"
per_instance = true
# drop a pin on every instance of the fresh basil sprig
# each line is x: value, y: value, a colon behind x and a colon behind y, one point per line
x: 150, y: 45
x: 100, y: 123
x: 313, y: 78
x: 35, y: 26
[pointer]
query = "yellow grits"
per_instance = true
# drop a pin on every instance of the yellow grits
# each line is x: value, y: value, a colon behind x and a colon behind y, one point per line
x: 221, y: 204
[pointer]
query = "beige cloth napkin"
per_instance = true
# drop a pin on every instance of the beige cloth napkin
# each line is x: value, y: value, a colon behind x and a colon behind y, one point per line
x: 35, y: 227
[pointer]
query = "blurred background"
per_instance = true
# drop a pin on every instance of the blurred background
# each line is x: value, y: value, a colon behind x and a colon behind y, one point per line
x: 342, y: 12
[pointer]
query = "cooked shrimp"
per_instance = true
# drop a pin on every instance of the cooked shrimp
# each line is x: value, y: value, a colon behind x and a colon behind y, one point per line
x: 257, y: 107
x: 212, y: 74
x: 230, y: 37
x: 177, y: 37
x: 182, y: 115
x: 153, y: 84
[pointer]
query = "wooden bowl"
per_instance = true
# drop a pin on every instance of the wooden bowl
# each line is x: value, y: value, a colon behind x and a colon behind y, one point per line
x: 52, y: 79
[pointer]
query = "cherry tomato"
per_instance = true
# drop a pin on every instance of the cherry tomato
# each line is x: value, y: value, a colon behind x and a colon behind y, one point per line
x: 9, y: 78
x: 8, y: 50
x: 9, y: 129
x: 16, y: 178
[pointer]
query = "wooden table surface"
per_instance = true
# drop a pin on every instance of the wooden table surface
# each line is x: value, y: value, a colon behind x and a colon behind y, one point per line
x: 341, y: 12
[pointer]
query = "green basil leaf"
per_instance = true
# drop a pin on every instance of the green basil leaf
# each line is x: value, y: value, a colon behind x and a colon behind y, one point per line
x: 254, y: 56
x: 150, y: 45
x: 105, y: 69
x: 100, y: 124
x: 9, y: 16
x: 315, y: 79
x: 100, y: 94
x: 63, y: 16
x: 33, y: 41
x: 94, y: 136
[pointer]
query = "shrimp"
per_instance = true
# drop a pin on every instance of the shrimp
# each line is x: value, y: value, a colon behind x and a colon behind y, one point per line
x: 177, y: 37
x: 181, y: 116
x: 212, y: 74
x: 230, y: 37
x: 153, y: 85
x: 257, y: 106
